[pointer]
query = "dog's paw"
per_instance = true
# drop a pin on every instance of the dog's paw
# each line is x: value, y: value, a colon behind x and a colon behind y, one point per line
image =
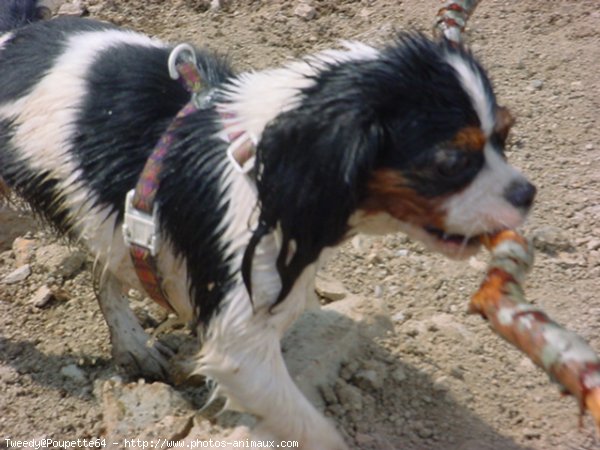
x: 144, y: 358
x: 323, y: 437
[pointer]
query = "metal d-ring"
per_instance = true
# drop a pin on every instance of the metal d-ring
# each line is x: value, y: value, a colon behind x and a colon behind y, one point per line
x: 183, y: 52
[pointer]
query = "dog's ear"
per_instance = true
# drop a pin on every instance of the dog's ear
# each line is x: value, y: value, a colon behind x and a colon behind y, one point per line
x: 312, y: 170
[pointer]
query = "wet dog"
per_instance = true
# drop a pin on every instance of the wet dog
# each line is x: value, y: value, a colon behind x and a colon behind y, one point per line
x: 405, y: 138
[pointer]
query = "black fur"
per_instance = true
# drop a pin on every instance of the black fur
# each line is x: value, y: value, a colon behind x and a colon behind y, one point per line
x: 116, y: 130
x: 138, y: 112
x: 315, y: 160
x: 422, y: 106
x: 24, y: 61
x: 16, y: 13
x: 35, y: 49
x: 38, y: 188
x: 126, y: 123
x: 192, y: 209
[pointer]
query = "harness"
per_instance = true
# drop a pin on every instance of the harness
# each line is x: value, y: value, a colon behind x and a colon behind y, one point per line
x: 140, y: 225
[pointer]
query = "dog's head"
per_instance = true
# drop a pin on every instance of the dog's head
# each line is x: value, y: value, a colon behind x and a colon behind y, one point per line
x: 409, y: 136
x: 441, y: 174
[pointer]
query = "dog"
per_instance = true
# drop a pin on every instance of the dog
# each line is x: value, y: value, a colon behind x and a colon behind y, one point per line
x: 405, y: 138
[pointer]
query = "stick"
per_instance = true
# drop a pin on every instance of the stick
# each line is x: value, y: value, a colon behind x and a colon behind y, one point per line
x: 565, y: 356
x: 452, y: 18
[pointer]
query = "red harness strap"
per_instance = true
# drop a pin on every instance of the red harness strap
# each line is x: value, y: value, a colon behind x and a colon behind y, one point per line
x: 140, y: 227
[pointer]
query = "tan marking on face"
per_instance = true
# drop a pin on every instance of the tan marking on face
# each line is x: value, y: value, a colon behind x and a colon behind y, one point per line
x: 390, y: 192
x: 504, y: 122
x: 470, y: 139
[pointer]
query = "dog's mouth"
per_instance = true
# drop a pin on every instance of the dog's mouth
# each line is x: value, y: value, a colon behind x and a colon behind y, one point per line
x: 456, y: 239
x: 453, y: 245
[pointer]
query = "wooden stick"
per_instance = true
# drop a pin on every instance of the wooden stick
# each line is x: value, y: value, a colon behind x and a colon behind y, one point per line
x: 452, y: 18
x: 564, y: 355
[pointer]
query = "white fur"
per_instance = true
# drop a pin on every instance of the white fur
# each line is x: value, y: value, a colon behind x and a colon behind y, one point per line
x: 43, y: 139
x: 473, y: 85
x: 256, y: 98
x: 241, y: 349
x: 131, y: 346
x: 242, y: 352
x: 482, y: 207
x: 4, y: 39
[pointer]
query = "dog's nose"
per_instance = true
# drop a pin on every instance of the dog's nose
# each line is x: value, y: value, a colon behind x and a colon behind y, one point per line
x: 520, y: 194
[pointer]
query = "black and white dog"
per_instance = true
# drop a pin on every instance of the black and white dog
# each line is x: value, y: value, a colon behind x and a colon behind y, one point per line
x: 405, y: 138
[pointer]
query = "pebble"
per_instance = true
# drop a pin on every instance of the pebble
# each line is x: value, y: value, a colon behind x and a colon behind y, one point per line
x: 423, y: 430
x: 41, y: 297
x: 72, y: 9
x: 23, y: 250
x: 305, y: 11
x: 52, y: 5
x: 336, y: 410
x: 8, y: 375
x: 530, y: 433
x: 399, y: 375
x: 537, y: 84
x: 72, y: 264
x: 551, y: 239
x: 378, y: 291
x: 17, y: 275
x: 477, y: 264
x: 363, y: 440
x: 330, y: 288
x: 74, y: 373
x: 368, y: 379
x: 441, y: 383
x: 457, y: 372
x: 364, y: 13
x: 358, y: 243
x: 399, y: 317
x: 328, y: 395
x: 348, y: 370
x: 593, y: 244
x: 348, y: 395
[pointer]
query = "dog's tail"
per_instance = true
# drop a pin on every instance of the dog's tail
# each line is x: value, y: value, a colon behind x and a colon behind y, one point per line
x: 17, y: 13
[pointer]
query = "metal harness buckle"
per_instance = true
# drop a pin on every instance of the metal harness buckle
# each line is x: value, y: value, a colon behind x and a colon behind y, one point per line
x: 183, y: 52
x: 139, y: 227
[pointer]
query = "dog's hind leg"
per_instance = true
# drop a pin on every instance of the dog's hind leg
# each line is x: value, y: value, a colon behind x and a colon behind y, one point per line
x: 132, y: 348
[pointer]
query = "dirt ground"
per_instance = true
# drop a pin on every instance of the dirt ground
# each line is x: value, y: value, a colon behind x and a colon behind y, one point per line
x: 442, y: 379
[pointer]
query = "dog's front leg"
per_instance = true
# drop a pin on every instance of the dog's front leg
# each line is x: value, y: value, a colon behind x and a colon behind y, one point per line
x: 242, y: 354
x: 251, y: 373
x: 132, y: 348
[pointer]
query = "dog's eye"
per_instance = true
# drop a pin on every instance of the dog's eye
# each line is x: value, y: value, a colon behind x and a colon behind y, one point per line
x: 450, y: 164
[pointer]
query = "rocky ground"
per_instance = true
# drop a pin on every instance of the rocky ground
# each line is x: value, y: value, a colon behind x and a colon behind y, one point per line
x: 406, y: 367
